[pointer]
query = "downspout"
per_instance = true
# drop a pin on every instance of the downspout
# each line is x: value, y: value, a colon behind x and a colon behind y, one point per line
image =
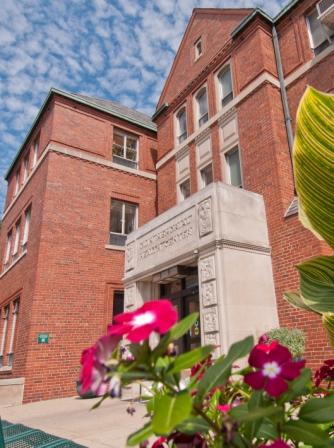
x: 286, y: 111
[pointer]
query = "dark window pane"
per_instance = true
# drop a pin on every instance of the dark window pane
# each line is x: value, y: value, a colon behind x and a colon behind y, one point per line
x: 130, y: 218
x: 233, y: 162
x: 207, y: 175
x: 117, y: 239
x: 185, y: 189
x: 118, y: 303
x: 116, y: 216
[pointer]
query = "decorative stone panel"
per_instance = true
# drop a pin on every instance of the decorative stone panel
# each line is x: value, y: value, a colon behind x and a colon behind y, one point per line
x: 130, y: 297
x: 130, y: 258
x: 209, y: 293
x: 210, y: 320
x: 205, y: 224
x: 207, y: 268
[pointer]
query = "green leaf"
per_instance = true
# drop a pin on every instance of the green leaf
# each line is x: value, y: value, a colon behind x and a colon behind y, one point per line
x: 267, y: 431
x: 219, y: 373
x: 300, y: 386
x: 318, y: 410
x: 301, y: 431
x: 328, y: 321
x: 141, y: 435
x: 313, y: 157
x: 194, y: 424
x: 255, y: 402
x: 296, y: 300
x: 181, y: 328
x: 317, y: 283
x: 256, y: 413
x: 187, y: 360
x: 170, y: 411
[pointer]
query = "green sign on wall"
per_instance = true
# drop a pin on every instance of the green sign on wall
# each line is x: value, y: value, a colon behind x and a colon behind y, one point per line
x: 43, y: 338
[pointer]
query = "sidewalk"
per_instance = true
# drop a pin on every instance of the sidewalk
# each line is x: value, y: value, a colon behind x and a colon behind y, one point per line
x: 71, y: 418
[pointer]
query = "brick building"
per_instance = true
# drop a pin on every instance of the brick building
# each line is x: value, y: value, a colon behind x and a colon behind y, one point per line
x: 211, y: 195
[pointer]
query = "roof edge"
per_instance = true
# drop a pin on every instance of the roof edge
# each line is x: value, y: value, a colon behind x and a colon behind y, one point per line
x: 54, y: 91
x: 249, y: 18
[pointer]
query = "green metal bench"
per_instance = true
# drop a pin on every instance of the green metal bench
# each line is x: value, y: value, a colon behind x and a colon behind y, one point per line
x: 15, y: 435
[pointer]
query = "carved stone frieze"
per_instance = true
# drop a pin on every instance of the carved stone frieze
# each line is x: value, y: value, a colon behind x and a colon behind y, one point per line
x: 209, y: 293
x: 205, y: 223
x: 130, y: 297
x: 207, y: 268
x: 130, y: 256
x: 210, y: 320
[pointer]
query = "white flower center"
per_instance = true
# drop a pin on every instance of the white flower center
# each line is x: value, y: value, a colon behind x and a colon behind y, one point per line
x: 271, y: 369
x: 143, y: 319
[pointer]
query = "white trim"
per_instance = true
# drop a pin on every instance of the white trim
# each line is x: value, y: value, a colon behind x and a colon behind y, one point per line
x: 114, y: 247
x: 80, y: 155
x: 121, y: 133
x: 196, y: 107
x: 13, y: 264
x: 218, y: 85
x: 176, y: 123
x: 10, y: 381
x: 308, y: 65
x: 265, y: 77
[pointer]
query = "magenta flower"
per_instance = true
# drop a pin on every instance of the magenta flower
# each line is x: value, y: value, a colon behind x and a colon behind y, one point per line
x: 274, y: 368
x: 224, y: 408
x: 277, y: 444
x: 325, y: 373
x: 94, y: 372
x: 156, y: 315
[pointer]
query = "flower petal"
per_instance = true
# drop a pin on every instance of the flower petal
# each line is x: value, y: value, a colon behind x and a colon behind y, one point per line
x: 280, y: 354
x: 255, y: 380
x: 118, y: 329
x: 290, y: 370
x: 276, y: 386
x: 140, y: 333
x: 105, y: 347
x: 257, y: 357
x: 224, y: 408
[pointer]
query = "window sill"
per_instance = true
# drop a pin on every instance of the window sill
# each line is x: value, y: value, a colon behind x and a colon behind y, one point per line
x: 114, y: 247
x: 5, y: 369
x: 13, y: 264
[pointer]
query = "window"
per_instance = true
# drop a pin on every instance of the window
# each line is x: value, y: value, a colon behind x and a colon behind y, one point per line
x: 206, y: 175
x: 26, y: 228
x: 319, y: 34
x: 125, y: 149
x: 118, y: 304
x: 25, y: 168
x: 233, y: 166
x: 123, y: 220
x: 17, y: 182
x: 17, y: 240
x: 225, y: 83
x: 181, y: 118
x: 202, y: 107
x: 4, y: 318
x: 8, y: 248
x: 35, y: 155
x: 184, y: 189
x: 198, y: 49
x: 15, y: 307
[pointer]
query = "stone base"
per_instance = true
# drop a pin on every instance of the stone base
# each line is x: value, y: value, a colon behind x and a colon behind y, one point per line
x: 11, y: 391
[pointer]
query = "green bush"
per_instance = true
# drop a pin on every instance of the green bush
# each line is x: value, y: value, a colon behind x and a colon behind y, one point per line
x: 293, y: 339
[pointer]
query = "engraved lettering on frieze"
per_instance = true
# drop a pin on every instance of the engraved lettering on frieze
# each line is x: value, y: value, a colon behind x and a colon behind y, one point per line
x: 209, y: 293
x: 210, y: 320
x: 207, y: 269
x: 178, y: 232
x: 130, y: 256
x: 130, y: 298
x: 205, y: 217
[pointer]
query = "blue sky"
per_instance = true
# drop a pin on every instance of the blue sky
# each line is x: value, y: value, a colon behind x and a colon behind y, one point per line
x: 114, y: 49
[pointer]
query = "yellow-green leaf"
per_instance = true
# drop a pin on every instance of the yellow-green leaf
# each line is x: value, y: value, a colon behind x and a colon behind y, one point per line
x: 314, y: 162
x: 328, y: 321
x: 296, y: 300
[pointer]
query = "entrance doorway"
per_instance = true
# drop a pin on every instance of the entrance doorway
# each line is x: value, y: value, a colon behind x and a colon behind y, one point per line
x: 183, y: 293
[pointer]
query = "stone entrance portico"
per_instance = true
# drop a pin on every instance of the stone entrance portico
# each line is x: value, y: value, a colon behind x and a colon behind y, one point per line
x: 223, y: 230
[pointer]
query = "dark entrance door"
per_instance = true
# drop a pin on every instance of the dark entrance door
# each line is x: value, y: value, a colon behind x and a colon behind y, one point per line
x: 184, y: 295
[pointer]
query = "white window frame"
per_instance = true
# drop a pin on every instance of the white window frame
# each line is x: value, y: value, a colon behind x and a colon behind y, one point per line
x: 123, y: 217
x: 26, y: 229
x: 17, y: 181
x: 196, y: 104
x: 125, y: 135
x: 15, y: 312
x: 35, y: 154
x: 17, y: 240
x: 200, y: 169
x: 25, y: 168
x: 225, y: 67
x: 227, y: 173
x: 5, y: 317
x: 329, y: 39
x: 177, y: 126
x: 181, y: 197
x: 8, y: 248
x: 197, y: 53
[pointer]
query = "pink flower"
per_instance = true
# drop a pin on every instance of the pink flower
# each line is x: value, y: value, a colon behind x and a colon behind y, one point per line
x: 224, y: 408
x: 264, y: 339
x: 277, y: 444
x: 156, y: 315
x: 274, y: 367
x: 94, y: 372
x: 159, y: 443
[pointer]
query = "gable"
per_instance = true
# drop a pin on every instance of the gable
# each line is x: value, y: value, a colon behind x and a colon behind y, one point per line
x: 213, y: 27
